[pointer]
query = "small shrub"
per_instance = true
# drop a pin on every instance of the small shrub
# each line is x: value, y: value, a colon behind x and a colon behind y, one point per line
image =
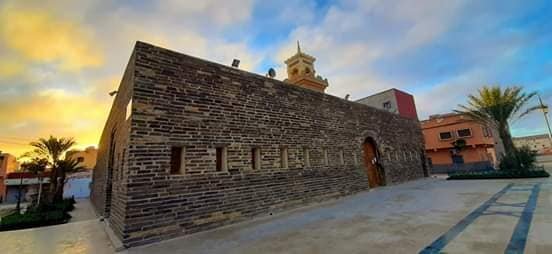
x: 499, y: 174
x: 65, y: 205
x: 38, y: 216
x: 522, y: 158
x: 33, y: 219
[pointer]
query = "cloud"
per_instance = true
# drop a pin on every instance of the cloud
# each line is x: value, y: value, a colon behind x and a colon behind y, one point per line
x: 56, y: 112
x: 42, y: 37
x: 10, y: 68
x: 60, y: 59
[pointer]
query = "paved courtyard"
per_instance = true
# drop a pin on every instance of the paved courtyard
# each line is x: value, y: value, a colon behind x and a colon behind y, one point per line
x: 425, y: 216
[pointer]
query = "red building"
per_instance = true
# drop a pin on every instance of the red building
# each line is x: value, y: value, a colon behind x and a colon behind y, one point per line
x: 393, y: 100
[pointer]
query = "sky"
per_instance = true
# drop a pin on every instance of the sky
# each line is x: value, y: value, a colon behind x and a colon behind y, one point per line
x: 60, y: 59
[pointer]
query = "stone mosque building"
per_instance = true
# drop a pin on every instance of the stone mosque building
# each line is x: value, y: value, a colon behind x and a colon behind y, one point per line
x: 191, y: 145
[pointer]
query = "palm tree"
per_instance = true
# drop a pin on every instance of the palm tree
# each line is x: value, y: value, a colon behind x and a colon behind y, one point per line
x: 498, y: 108
x: 64, y: 167
x: 36, y: 166
x: 52, y: 149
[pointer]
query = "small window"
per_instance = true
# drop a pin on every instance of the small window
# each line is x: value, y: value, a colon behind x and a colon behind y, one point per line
x: 485, y: 131
x: 284, y: 157
x: 177, y: 160
x: 121, y: 168
x: 221, y: 160
x: 256, y: 158
x: 464, y: 133
x: 80, y: 159
x: 306, y: 157
x: 355, y: 159
x: 445, y: 135
x: 326, y: 161
x: 341, y: 157
x: 387, y: 105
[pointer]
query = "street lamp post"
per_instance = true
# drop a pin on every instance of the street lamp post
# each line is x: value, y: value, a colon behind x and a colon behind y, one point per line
x: 544, y: 109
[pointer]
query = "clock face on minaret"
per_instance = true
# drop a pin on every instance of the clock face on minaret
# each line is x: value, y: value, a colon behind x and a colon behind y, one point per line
x: 301, y: 72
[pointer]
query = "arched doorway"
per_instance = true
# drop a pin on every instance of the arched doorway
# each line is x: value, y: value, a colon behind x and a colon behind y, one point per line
x: 371, y: 162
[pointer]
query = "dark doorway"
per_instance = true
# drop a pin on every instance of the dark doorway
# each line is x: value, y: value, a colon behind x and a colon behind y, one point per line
x: 371, y: 162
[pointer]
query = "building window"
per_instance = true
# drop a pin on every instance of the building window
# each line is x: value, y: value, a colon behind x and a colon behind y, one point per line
x: 445, y: 135
x: 487, y: 131
x: 306, y: 157
x: 355, y: 159
x: 121, y: 171
x: 177, y: 160
x: 221, y: 158
x: 387, y: 105
x: 464, y: 133
x: 326, y: 161
x: 284, y: 157
x: 80, y: 159
x: 341, y: 157
x: 256, y: 158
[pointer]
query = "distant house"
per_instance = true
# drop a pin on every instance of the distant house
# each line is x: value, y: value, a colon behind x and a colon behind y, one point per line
x: 394, y: 101
x: 8, y: 164
x: 457, y: 142
x: 86, y: 157
x: 539, y: 143
x: 29, y: 183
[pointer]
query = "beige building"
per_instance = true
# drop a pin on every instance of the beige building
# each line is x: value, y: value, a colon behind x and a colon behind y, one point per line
x: 539, y: 143
x: 86, y: 158
x: 300, y: 70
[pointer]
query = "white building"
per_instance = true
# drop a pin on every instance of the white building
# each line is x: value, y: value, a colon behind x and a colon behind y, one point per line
x: 539, y: 143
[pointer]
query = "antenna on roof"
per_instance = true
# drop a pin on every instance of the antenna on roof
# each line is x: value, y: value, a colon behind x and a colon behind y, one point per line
x: 235, y: 63
x: 298, y: 47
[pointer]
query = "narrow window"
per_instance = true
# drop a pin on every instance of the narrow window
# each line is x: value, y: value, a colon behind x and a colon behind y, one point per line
x: 177, y: 165
x: 256, y: 158
x: 326, y: 161
x: 387, y: 105
x: 341, y: 157
x: 222, y: 159
x: 445, y: 135
x: 284, y: 157
x: 306, y: 157
x: 121, y: 170
x: 464, y: 133
x: 355, y: 160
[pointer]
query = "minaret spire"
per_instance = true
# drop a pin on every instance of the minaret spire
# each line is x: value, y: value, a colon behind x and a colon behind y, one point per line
x: 298, y: 47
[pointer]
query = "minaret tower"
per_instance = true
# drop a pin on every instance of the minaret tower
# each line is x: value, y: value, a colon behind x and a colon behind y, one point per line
x: 300, y: 70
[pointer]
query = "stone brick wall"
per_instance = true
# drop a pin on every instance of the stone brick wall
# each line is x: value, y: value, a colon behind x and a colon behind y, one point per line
x: 108, y: 195
x: 187, y: 102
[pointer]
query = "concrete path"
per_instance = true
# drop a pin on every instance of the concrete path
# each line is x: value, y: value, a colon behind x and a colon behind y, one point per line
x: 83, y: 234
x: 425, y: 216
x: 407, y: 218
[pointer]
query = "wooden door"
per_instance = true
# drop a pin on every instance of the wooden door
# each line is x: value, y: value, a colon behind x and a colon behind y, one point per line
x: 374, y: 178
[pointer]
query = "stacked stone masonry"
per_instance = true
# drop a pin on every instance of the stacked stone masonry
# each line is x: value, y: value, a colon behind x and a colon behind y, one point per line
x: 167, y: 99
